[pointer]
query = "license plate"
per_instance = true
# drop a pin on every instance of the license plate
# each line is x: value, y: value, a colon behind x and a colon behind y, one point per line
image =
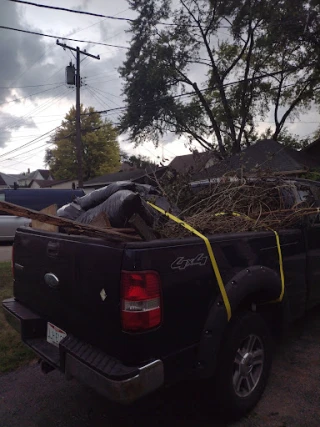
x: 54, y: 334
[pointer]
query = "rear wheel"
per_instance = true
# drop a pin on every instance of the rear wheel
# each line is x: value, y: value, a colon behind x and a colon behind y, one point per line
x: 243, y: 365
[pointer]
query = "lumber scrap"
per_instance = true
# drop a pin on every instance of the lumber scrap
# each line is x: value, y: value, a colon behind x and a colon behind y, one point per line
x: 101, y: 221
x: 142, y: 228
x: 70, y: 226
x: 51, y: 210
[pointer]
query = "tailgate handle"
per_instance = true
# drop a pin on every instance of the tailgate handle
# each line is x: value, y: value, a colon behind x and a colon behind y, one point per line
x: 53, y: 248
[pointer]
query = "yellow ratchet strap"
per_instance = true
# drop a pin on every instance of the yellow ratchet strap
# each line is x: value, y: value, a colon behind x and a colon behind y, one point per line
x: 280, y: 266
x: 210, y: 252
x: 236, y: 214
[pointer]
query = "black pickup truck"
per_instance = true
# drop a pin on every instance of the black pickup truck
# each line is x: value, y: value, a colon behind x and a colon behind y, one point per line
x: 129, y: 318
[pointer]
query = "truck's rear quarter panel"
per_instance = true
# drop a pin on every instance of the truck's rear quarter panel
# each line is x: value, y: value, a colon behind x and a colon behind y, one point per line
x: 190, y: 287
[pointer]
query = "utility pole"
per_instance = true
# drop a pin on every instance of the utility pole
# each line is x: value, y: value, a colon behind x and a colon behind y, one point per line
x: 78, y: 121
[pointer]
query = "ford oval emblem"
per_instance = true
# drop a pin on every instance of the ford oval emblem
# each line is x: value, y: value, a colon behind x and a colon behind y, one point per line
x: 51, y: 280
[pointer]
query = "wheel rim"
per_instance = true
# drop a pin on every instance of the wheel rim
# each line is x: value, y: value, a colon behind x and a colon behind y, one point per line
x: 248, y: 365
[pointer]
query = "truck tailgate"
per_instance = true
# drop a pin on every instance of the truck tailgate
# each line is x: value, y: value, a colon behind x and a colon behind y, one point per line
x: 85, y: 298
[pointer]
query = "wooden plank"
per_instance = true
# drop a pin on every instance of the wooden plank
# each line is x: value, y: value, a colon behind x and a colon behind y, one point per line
x: 142, y: 228
x: 51, y: 210
x: 71, y: 226
x: 101, y: 221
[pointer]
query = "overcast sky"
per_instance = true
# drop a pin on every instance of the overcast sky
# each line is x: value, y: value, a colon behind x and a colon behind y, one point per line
x: 33, y: 95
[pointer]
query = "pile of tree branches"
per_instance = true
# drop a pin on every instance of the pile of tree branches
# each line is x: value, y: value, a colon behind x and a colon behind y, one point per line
x: 226, y: 207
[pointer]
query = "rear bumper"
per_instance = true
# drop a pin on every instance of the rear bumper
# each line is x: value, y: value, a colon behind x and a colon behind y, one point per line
x: 89, y: 365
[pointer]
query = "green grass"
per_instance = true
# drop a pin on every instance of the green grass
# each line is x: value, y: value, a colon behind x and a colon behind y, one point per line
x: 13, y: 353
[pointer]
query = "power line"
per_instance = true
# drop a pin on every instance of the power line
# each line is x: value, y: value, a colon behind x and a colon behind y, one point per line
x: 201, y: 90
x: 50, y: 115
x: 108, y: 93
x: 45, y: 50
x: 100, y: 74
x: 63, y: 9
x: 47, y: 144
x: 102, y: 95
x: 82, y: 12
x: 30, y: 142
x: 62, y: 38
x: 24, y: 87
x: 49, y: 102
x: 46, y: 104
x: 23, y: 161
x: 42, y: 107
x: 29, y: 96
x: 96, y: 97
x: 24, y: 136
x: 21, y: 156
x: 88, y: 79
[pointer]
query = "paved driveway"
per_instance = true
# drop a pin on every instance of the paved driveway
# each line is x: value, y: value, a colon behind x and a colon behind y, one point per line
x: 29, y: 399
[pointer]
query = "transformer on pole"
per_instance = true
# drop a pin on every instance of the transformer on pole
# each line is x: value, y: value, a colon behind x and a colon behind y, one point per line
x: 73, y: 78
x: 71, y: 74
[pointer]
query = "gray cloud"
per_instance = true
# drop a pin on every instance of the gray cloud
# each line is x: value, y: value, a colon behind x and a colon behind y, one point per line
x: 25, y: 62
x: 15, y: 123
x: 29, y: 60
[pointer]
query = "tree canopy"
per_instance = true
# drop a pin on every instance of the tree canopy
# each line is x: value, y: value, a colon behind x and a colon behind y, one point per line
x: 214, y: 69
x: 100, y: 148
x: 139, y: 161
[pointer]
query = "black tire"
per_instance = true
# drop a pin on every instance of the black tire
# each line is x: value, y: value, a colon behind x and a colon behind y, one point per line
x: 238, y: 396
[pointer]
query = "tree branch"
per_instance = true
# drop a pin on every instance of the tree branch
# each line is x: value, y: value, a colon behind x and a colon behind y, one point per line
x: 277, y: 102
x: 236, y: 60
x: 211, y: 22
x: 289, y: 111
x: 211, y: 117
x: 183, y: 128
x: 219, y: 82
x: 243, y: 107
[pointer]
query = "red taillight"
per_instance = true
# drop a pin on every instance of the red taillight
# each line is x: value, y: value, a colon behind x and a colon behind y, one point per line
x: 140, y: 300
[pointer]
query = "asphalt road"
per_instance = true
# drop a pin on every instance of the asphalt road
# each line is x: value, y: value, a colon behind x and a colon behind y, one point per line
x: 5, y: 251
x: 29, y: 398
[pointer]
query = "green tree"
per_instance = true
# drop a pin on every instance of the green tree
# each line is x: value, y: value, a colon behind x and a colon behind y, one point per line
x: 140, y: 162
x: 251, y: 57
x: 100, y: 148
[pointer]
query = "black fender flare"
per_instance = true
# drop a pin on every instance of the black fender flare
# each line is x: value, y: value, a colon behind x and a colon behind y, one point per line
x: 261, y: 281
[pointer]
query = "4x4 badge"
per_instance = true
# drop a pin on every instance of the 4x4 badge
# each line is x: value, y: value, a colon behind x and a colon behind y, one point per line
x: 182, y: 263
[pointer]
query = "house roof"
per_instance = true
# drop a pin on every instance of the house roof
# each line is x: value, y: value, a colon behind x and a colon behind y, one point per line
x: 30, y: 176
x: 120, y: 176
x: 266, y: 155
x: 45, y: 183
x: 45, y: 173
x: 2, y: 181
x: 9, y: 180
x: 195, y: 161
x: 311, y: 146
